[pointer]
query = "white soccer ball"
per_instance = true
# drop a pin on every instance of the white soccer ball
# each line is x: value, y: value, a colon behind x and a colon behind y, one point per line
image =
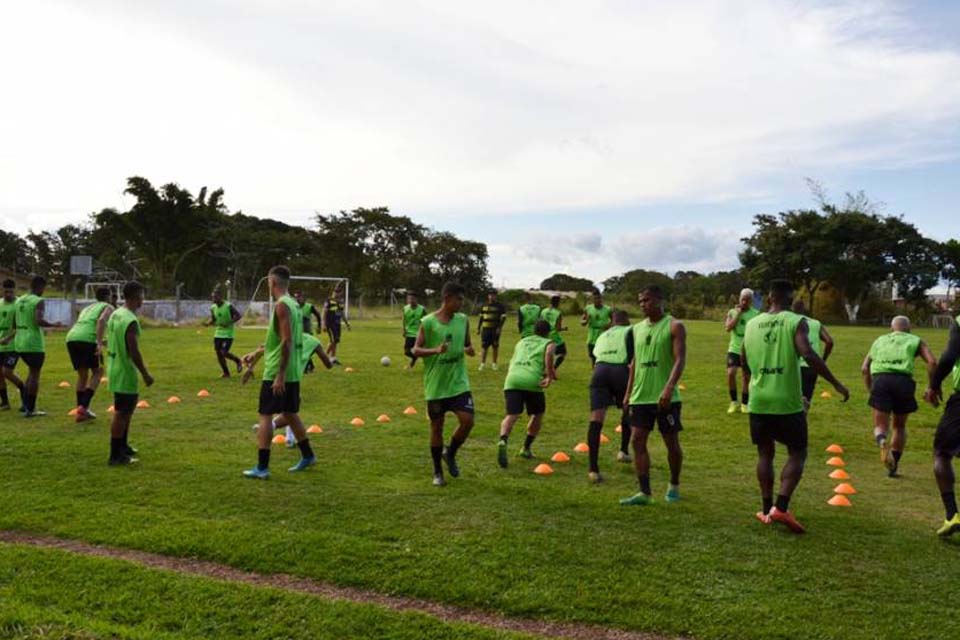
x: 385, y: 361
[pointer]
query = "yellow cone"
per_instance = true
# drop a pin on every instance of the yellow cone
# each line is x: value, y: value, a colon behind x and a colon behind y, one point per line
x: 543, y: 469
x: 826, y: 395
x: 560, y: 456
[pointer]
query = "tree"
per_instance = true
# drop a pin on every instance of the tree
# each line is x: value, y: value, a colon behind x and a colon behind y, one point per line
x: 563, y: 282
x: 14, y: 252
x: 629, y: 284
x: 949, y: 262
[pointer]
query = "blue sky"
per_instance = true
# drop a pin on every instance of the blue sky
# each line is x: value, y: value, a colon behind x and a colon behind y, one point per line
x: 589, y: 138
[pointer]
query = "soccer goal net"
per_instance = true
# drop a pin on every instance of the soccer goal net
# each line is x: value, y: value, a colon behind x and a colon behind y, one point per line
x: 316, y: 290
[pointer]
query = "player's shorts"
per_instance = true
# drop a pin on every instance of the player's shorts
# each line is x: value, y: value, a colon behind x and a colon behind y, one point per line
x: 408, y: 343
x: 333, y: 330
x: 608, y: 386
x: 644, y: 416
x: 808, y: 382
x: 893, y: 393
x: 734, y: 361
x: 8, y: 359
x: 125, y: 404
x: 560, y: 349
x: 34, y: 359
x: 517, y: 399
x: 287, y: 402
x: 222, y: 345
x: 789, y: 429
x: 462, y: 403
x: 489, y: 338
x: 947, y: 437
x: 83, y: 355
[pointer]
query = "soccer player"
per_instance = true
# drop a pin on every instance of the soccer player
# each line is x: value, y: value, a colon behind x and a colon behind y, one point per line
x: 659, y: 357
x: 492, y: 316
x: 124, y: 360
x: 85, y: 343
x: 596, y: 317
x: 888, y: 374
x: 822, y: 343
x: 735, y: 324
x: 442, y: 342
x: 8, y: 356
x: 772, y: 346
x: 331, y: 320
x: 527, y: 315
x: 530, y: 373
x: 282, y: 372
x: 608, y: 387
x: 554, y: 318
x: 28, y: 342
x: 946, y: 440
x: 309, y: 311
x: 413, y: 313
x: 224, y: 316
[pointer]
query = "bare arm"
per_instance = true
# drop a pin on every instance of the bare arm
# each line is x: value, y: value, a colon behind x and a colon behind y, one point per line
x: 234, y: 314
x: 102, y: 327
x: 865, y: 372
x: 316, y: 314
x: 548, y: 363
x: 678, y: 334
x: 324, y: 358
x: 282, y: 317
x: 212, y: 321
x: 467, y: 345
x: 626, y: 395
x: 827, y: 341
x: 133, y: 348
x: 731, y: 321
x: 801, y: 340
x: 421, y: 351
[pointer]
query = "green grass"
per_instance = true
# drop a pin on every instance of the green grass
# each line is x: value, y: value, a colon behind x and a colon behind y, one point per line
x: 510, y: 541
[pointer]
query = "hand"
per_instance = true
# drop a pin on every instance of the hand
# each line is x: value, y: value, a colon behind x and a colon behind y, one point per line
x: 545, y: 382
x: 148, y: 379
x: 933, y: 396
x: 843, y: 391
x: 279, y: 385
x: 247, y: 374
x: 470, y: 351
x: 666, y: 398
x: 442, y: 348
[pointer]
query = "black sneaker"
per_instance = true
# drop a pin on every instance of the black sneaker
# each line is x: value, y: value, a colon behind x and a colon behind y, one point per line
x: 451, y: 463
x: 123, y: 461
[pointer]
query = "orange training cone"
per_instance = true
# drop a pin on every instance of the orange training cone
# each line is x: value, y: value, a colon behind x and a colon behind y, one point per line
x: 836, y: 461
x: 826, y: 395
x: 348, y: 370
x: 682, y: 387
x: 110, y: 409
x: 834, y: 448
x: 173, y: 400
x: 839, y: 501
x: 314, y: 428
x: 279, y: 439
x: 839, y: 474
x: 143, y: 404
x: 410, y: 411
x: 357, y: 422
x: 845, y: 488
x: 604, y: 439
x: 64, y: 385
x: 581, y: 447
x: 383, y: 418
x: 560, y: 456
x: 203, y: 393
x: 72, y: 412
x: 543, y: 469
x: 619, y: 429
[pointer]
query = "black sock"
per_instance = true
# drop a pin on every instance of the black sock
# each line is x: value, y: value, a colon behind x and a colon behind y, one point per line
x: 783, y: 502
x: 116, y: 448
x: 22, y: 389
x: 88, y: 398
x: 645, y: 485
x: 223, y: 367
x: 4, y: 398
x: 31, y: 402
x: 263, y: 459
x: 593, y: 441
x: 625, y: 433
x: 880, y: 437
x: 733, y: 395
x: 528, y: 441
x: 949, y: 503
x: 305, y: 449
x: 80, y: 397
x: 436, y: 453
x: 745, y: 398
x: 896, y: 458
x: 454, y: 446
x: 767, y: 504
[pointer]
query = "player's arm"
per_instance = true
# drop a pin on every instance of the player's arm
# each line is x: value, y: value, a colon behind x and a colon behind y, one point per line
x: 948, y: 358
x: 519, y: 321
x: 926, y: 354
x: 102, y: 328
x: 865, y: 372
x: 324, y: 358
x: 467, y: 345
x: 733, y: 317
x: 282, y: 317
x: 678, y: 338
x: 560, y: 326
x: 133, y: 348
x: 630, y: 376
x: 40, y: 320
x: 421, y: 351
x: 801, y: 340
x: 212, y: 321
x: 346, y: 321
x: 583, y: 319
x: 323, y: 316
x: 503, y: 319
x: 250, y: 360
x: 548, y: 366
x: 827, y: 341
x: 316, y: 314
x: 234, y: 315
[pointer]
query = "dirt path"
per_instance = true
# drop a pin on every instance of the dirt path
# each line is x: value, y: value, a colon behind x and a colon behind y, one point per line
x: 444, y: 612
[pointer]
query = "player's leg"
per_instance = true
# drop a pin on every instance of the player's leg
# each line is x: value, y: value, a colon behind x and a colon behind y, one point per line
x: 881, y: 433
x: 642, y: 420
x: 597, y: 416
x: 496, y: 351
x: 732, y: 371
x: 307, y: 456
x: 124, y: 404
x: 465, y: 420
x: 946, y: 444
x: 536, y: 408
x: 623, y: 455
x: 4, y: 394
x: 9, y: 374
x: 506, y: 428
x: 670, y: 432
x: 436, y: 446
x: 96, y: 375
x: 221, y: 359
x: 593, y: 358
x: 227, y: 344
x: 408, y: 343
x: 898, y: 441
x: 766, y: 451
x: 34, y: 362
x: 792, y: 431
x: 745, y: 391
x: 560, y: 354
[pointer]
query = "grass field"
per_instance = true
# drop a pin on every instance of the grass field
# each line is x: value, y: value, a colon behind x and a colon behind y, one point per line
x: 507, y: 541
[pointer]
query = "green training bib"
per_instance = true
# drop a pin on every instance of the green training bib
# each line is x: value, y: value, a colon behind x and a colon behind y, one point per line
x: 527, y: 366
x: 653, y: 361
x: 894, y: 353
x: 775, y: 384
x: 8, y: 314
x: 598, y: 319
x: 121, y: 372
x: 273, y: 347
x: 29, y: 337
x: 552, y: 316
x: 445, y: 374
x: 814, y: 338
x: 222, y: 320
x: 85, y: 328
x: 611, y: 346
x: 736, y: 334
x: 411, y: 319
x: 529, y: 314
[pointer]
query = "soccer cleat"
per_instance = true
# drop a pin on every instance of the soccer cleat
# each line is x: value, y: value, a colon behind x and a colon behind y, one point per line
x: 733, y: 408
x: 623, y: 456
x: 303, y: 464
x: 257, y: 474
x: 34, y: 414
x: 744, y: 408
x: 786, y: 518
x: 130, y: 451
x: 122, y: 461
x: 239, y: 366
x: 90, y: 414
x: 886, y: 456
x: 438, y: 480
x: 494, y: 366
x: 763, y: 517
x: 594, y: 477
x: 481, y: 367
x: 502, y: 455
x: 673, y: 494
x: 950, y: 526
x: 451, y: 463
x: 638, y: 499
x: 526, y: 454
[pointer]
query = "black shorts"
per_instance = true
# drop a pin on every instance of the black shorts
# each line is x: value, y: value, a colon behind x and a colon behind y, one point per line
x: 608, y: 386
x: 333, y: 330
x: 125, y: 403
x: 893, y: 393
x: 789, y: 429
x: 489, y: 338
x: 560, y: 349
x: 408, y: 343
x: 462, y: 403
x: 644, y: 416
x: 808, y: 382
x: 517, y: 399
x: 8, y: 359
x: 947, y: 437
x: 222, y: 345
x: 34, y: 360
x: 288, y: 402
x: 83, y: 355
x: 734, y: 361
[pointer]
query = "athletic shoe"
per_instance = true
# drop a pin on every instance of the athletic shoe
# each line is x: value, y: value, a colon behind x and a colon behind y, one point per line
x: 240, y: 367
x: 950, y: 526
x: 481, y: 367
x: 763, y: 517
x: 594, y: 477
x: 786, y: 518
x: 451, y: 463
x: 82, y: 415
x: 124, y: 461
x: 623, y: 457
x: 256, y: 427
x: 733, y: 408
x: 672, y: 495
x: 438, y: 480
x: 90, y: 414
x: 639, y: 499
x: 257, y: 474
x: 130, y: 451
x: 303, y: 464
x: 893, y: 473
x: 34, y: 414
x: 494, y: 366
x: 886, y: 456
x: 526, y: 454
x: 502, y: 455
x: 23, y: 408
x: 744, y: 408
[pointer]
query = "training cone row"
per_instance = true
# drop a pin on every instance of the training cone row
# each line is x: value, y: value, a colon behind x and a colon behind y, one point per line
x: 844, y: 489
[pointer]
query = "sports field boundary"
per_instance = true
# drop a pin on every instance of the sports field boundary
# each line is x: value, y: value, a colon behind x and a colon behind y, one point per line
x: 224, y: 573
